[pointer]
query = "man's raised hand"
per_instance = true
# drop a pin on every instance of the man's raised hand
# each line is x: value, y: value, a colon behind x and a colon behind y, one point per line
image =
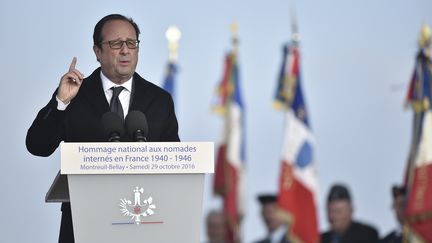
x: 70, y: 83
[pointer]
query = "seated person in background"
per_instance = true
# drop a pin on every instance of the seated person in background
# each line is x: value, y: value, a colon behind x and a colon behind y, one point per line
x: 398, y: 193
x: 276, y: 228
x: 216, y: 227
x: 343, y: 229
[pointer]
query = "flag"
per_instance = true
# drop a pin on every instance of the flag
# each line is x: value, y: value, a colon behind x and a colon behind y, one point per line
x: 418, y: 178
x: 169, y: 82
x: 228, y: 178
x: 298, y: 183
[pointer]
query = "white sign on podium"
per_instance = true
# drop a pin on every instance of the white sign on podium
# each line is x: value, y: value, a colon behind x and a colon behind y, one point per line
x: 143, y: 192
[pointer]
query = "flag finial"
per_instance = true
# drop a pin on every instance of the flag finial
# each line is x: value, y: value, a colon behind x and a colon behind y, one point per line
x: 173, y: 36
x: 234, y: 32
x: 424, y: 40
x: 295, y: 36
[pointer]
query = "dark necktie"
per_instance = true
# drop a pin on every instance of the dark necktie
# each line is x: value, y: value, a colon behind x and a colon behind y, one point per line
x: 115, y: 104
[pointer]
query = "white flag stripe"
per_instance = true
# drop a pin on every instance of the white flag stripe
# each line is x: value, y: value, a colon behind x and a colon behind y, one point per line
x: 424, y: 156
x: 234, y: 146
x: 296, y: 133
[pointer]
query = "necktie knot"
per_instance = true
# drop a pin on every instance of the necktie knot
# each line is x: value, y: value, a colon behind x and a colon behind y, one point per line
x: 115, y: 104
x: 117, y: 90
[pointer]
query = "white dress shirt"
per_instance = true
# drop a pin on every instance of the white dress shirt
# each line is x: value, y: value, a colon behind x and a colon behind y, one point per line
x: 278, y: 234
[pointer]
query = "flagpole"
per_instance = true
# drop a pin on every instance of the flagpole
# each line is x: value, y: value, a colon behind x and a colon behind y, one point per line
x: 295, y: 36
x: 233, y: 56
x: 173, y: 36
x: 234, y: 37
x: 420, y: 105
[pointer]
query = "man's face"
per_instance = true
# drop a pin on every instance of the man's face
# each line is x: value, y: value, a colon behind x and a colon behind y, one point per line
x: 216, y: 227
x: 117, y: 64
x: 339, y: 213
x: 269, y: 214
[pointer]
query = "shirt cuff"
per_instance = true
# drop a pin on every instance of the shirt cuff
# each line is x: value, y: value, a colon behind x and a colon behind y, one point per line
x: 60, y: 105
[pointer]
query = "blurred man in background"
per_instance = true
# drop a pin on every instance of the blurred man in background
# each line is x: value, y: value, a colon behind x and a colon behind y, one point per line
x: 216, y: 227
x: 398, y: 193
x: 343, y: 229
x: 276, y: 228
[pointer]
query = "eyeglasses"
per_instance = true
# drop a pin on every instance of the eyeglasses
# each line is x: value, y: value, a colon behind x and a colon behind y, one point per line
x: 118, y: 44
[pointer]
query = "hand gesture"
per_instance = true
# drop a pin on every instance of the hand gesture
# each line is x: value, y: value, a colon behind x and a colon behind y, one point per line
x: 70, y: 83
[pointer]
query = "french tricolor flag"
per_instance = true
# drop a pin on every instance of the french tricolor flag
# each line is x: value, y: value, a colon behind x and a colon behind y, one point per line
x: 298, y: 184
x: 229, y: 171
x: 418, y: 177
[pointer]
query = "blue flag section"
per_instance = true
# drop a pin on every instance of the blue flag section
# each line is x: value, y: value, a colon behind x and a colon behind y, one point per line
x: 170, y: 78
x: 289, y: 93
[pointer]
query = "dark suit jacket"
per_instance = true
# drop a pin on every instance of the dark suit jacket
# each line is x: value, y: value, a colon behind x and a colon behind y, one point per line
x: 393, y: 237
x: 356, y: 233
x: 81, y: 122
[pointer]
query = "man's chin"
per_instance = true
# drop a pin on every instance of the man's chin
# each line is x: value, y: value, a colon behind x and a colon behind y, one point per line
x: 126, y: 73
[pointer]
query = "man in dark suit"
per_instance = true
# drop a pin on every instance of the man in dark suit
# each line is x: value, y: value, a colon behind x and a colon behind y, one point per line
x: 343, y: 229
x: 398, y: 193
x: 74, y: 112
x: 276, y: 228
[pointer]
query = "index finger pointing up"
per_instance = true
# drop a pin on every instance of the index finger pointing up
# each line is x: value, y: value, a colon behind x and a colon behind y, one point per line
x: 72, y: 66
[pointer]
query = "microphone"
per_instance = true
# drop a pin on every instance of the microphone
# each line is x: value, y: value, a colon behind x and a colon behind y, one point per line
x: 136, y: 126
x: 113, y: 126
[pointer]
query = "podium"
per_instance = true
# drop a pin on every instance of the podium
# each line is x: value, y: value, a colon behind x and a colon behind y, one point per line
x: 134, y: 192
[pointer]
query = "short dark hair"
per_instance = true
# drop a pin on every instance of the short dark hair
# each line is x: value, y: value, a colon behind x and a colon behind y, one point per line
x: 97, y: 33
x: 267, y: 198
x: 398, y: 191
x: 338, y: 192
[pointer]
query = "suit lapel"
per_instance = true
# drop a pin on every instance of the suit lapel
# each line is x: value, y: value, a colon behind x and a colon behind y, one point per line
x: 95, y: 94
x: 140, y: 97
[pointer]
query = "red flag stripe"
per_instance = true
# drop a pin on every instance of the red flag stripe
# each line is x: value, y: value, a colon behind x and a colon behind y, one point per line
x: 298, y: 201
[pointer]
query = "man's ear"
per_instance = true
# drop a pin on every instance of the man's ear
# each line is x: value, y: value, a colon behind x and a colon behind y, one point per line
x: 98, y: 52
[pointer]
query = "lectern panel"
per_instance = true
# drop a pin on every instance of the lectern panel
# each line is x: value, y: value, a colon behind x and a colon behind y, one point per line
x: 136, y: 208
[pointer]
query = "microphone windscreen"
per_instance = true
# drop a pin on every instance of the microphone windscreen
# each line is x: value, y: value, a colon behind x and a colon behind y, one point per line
x: 112, y: 123
x: 134, y: 121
